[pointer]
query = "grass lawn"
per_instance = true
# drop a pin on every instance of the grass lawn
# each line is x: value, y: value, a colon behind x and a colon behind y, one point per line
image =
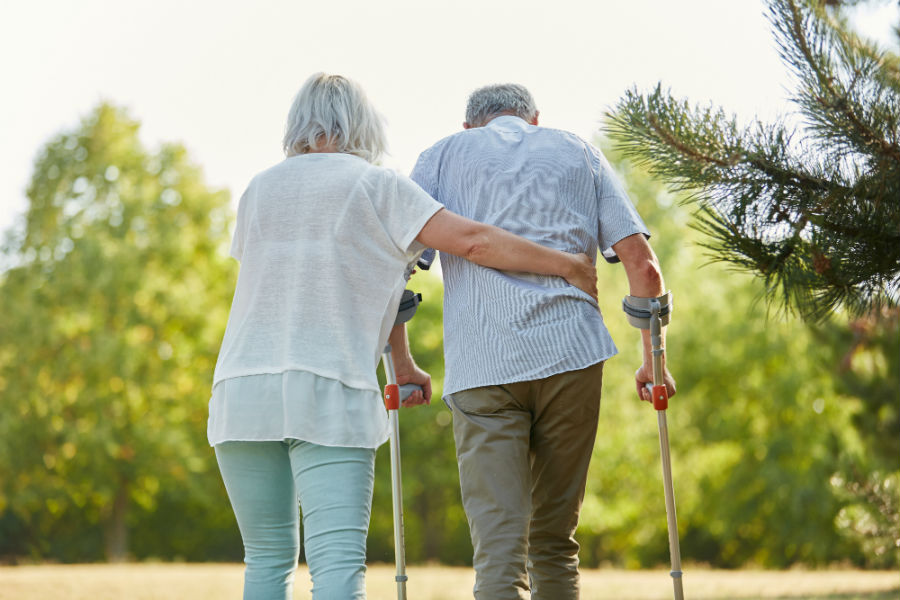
x: 164, y: 581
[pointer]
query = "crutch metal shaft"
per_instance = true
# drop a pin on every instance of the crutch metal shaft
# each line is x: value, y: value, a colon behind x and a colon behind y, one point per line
x: 660, y: 403
x: 393, y: 396
x: 392, y: 403
x: 674, y: 546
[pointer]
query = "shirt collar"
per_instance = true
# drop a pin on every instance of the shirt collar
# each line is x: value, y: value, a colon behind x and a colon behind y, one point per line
x: 508, y: 122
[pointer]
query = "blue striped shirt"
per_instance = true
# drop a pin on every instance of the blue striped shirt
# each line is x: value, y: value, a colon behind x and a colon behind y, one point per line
x: 553, y: 188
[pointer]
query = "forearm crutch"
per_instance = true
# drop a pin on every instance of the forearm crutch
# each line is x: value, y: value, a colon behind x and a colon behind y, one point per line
x: 393, y: 396
x: 653, y: 314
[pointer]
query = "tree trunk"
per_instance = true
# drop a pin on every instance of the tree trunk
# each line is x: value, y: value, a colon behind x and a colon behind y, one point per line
x: 117, y: 527
x: 432, y: 537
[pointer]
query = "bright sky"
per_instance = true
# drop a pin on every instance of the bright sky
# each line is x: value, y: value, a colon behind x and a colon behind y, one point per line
x: 219, y: 75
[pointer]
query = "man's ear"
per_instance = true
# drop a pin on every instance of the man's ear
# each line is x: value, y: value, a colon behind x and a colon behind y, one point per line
x: 466, y: 125
x: 534, y: 120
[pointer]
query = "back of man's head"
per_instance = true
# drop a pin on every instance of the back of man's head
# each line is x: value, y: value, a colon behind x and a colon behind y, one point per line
x: 490, y: 101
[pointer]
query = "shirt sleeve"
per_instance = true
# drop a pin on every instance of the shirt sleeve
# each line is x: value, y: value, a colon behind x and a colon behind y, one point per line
x: 425, y: 173
x: 617, y: 217
x: 403, y: 209
x: 237, y: 242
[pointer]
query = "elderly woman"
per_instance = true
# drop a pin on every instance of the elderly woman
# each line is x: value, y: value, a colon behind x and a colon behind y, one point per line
x: 324, y: 239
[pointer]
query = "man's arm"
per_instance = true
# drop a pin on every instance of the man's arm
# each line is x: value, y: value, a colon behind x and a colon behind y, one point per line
x: 645, y: 280
x: 406, y: 369
x: 493, y: 247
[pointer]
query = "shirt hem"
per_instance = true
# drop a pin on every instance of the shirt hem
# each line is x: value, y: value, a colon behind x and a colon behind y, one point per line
x: 358, y: 385
x: 283, y: 438
x: 519, y: 378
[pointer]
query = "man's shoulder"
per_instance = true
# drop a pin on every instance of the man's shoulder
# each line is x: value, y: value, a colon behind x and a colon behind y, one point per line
x: 437, y: 148
x: 432, y: 159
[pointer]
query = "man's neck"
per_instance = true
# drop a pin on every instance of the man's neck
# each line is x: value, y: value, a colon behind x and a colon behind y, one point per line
x: 505, y: 113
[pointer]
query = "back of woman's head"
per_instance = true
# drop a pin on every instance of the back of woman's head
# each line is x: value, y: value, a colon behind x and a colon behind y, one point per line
x: 334, y: 110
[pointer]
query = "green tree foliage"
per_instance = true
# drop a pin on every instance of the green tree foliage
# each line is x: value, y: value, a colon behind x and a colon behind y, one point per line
x: 815, y: 213
x: 770, y: 431
x: 867, y: 356
x: 111, y: 321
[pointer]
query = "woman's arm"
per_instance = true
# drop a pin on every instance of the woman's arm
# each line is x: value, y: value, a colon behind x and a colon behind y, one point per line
x: 406, y: 369
x: 493, y: 247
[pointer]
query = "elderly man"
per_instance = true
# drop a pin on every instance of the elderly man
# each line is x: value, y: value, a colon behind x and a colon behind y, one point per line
x: 524, y: 354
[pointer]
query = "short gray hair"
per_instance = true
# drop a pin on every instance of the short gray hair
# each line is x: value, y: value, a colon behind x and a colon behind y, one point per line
x: 334, y: 109
x: 499, y: 98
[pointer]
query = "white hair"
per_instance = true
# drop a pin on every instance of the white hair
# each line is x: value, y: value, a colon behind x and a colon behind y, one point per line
x: 331, y: 109
x: 491, y: 100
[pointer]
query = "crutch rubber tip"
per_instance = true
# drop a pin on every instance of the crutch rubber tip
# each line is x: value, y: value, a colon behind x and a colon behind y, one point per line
x: 392, y: 396
x: 660, y: 396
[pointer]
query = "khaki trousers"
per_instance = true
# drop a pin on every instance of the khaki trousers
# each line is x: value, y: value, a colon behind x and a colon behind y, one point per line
x: 523, y: 451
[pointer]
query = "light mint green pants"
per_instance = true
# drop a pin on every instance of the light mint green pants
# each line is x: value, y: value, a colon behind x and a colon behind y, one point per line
x: 334, y: 485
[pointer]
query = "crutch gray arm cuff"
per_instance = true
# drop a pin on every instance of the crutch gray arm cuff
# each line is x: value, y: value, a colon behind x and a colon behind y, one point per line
x: 637, y: 309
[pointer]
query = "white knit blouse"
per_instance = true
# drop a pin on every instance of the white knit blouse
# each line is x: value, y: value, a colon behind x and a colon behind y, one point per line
x: 324, y: 241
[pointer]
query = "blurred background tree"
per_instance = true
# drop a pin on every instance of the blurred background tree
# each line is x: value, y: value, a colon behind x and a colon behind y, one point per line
x: 111, y: 320
x: 115, y: 299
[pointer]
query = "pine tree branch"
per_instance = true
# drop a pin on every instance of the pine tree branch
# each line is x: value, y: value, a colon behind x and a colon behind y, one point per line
x: 688, y: 152
x: 824, y: 89
x: 665, y: 151
x: 763, y: 209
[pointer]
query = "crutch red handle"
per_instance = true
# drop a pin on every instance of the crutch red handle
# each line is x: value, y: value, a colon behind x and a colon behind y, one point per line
x: 659, y: 395
x: 392, y: 396
x: 395, y: 394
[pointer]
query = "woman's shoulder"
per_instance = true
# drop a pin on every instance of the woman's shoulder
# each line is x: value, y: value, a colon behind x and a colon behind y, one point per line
x: 314, y: 162
x: 378, y: 177
x: 326, y: 171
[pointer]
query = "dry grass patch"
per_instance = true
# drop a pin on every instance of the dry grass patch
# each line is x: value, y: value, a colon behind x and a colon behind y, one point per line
x: 163, y: 581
